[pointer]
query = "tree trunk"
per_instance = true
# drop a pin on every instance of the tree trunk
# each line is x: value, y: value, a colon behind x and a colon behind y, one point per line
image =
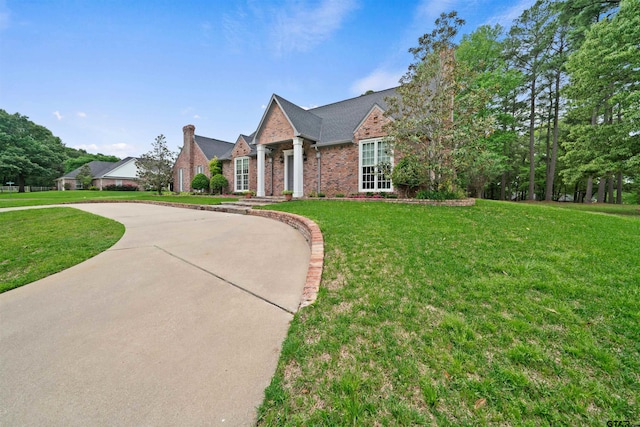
x: 610, y: 198
x: 619, y: 193
x: 589, y: 193
x: 554, y: 149
x: 503, y: 185
x: 532, y: 120
x: 601, y: 186
x: 20, y: 183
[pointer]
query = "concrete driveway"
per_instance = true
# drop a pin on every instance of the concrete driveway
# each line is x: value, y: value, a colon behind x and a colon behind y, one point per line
x: 179, y: 323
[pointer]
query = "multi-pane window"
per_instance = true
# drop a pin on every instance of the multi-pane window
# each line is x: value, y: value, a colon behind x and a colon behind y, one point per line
x: 375, y: 165
x: 241, y: 174
x: 199, y: 169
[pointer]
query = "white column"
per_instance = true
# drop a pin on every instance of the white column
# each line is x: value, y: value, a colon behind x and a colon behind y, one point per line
x: 260, y: 172
x: 298, y: 185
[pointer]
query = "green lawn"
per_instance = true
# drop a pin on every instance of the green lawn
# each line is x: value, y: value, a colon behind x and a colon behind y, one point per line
x: 500, y: 314
x: 39, y: 242
x: 56, y: 197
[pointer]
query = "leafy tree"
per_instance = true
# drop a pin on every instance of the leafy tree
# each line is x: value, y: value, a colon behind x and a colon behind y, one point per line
x: 488, y: 158
x: 604, y: 98
x: 155, y: 166
x: 29, y: 153
x: 74, y: 163
x: 436, y: 113
x: 84, y: 176
x: 215, y: 167
x: 218, y: 184
x: 200, y: 182
x: 529, y: 43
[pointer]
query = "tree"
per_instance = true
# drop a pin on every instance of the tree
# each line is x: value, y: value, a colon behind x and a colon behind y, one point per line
x: 73, y: 163
x: 604, y: 94
x: 200, y: 182
x: 436, y: 114
x: 29, y: 153
x: 528, y: 46
x: 218, y: 184
x: 482, y: 51
x: 84, y: 176
x: 215, y: 167
x: 155, y: 167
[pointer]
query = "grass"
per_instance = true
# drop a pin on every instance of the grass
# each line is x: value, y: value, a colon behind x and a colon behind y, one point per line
x: 37, y: 243
x: 497, y: 314
x: 57, y: 197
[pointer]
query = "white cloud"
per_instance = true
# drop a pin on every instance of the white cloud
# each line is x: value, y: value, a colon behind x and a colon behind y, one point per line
x: 309, y: 107
x: 300, y: 27
x: 263, y: 106
x: 379, y: 79
x: 120, y: 149
x: 506, y: 19
x: 81, y: 114
x: 429, y: 10
x: 58, y: 115
x: 197, y: 116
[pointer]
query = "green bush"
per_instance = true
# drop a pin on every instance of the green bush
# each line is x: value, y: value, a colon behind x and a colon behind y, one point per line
x: 200, y: 182
x: 218, y: 184
x: 126, y: 187
x: 410, y: 173
x: 439, y: 195
x: 340, y: 195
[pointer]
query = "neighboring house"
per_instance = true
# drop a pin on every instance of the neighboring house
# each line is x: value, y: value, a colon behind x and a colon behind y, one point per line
x: 123, y: 172
x: 194, y: 157
x: 331, y: 149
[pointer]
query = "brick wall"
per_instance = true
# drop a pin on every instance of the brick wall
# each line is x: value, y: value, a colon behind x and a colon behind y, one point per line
x: 275, y: 127
x: 190, y: 157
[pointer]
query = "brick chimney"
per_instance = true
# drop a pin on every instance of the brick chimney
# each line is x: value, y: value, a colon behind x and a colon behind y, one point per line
x: 189, y: 149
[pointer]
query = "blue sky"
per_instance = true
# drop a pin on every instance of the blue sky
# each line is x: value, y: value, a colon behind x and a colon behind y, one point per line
x: 109, y: 76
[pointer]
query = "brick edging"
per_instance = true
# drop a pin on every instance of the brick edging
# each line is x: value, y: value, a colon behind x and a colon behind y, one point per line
x: 309, y: 230
x: 312, y: 234
x: 452, y: 202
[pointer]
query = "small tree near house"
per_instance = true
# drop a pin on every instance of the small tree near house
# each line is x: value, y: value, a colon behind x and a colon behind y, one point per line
x: 218, y: 184
x: 84, y: 176
x: 155, y: 167
x: 200, y: 182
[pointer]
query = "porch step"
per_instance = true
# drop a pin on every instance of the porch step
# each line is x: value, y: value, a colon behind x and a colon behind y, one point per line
x: 230, y: 208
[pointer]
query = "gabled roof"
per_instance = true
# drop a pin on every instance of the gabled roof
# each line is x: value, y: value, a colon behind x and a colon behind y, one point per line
x: 98, y: 168
x: 248, y: 139
x: 333, y: 123
x: 340, y: 119
x: 212, y: 147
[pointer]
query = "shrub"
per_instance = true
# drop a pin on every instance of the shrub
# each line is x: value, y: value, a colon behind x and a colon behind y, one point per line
x: 218, y: 184
x: 126, y: 187
x: 321, y: 195
x: 340, y: 195
x: 439, y: 195
x: 200, y: 182
x: 67, y: 186
x: 409, y: 173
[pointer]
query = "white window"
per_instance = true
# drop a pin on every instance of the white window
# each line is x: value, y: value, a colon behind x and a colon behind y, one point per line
x: 241, y: 174
x: 199, y: 169
x: 79, y: 185
x: 119, y: 182
x: 375, y: 164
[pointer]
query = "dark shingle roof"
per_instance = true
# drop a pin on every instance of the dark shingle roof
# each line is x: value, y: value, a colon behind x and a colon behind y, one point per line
x: 333, y: 123
x: 212, y: 147
x: 304, y: 122
x: 340, y: 119
x: 98, y: 169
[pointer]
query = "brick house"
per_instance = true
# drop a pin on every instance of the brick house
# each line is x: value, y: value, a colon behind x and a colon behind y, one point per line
x: 194, y: 157
x: 123, y: 172
x: 335, y: 148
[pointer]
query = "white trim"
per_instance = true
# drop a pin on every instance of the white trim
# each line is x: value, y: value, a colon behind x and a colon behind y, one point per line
x: 298, y: 167
x: 235, y: 174
x: 285, y: 155
x: 260, y: 170
x: 180, y: 178
x: 376, y: 141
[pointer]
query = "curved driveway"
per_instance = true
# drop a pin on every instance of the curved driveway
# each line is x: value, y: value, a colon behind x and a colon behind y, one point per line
x: 179, y: 323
